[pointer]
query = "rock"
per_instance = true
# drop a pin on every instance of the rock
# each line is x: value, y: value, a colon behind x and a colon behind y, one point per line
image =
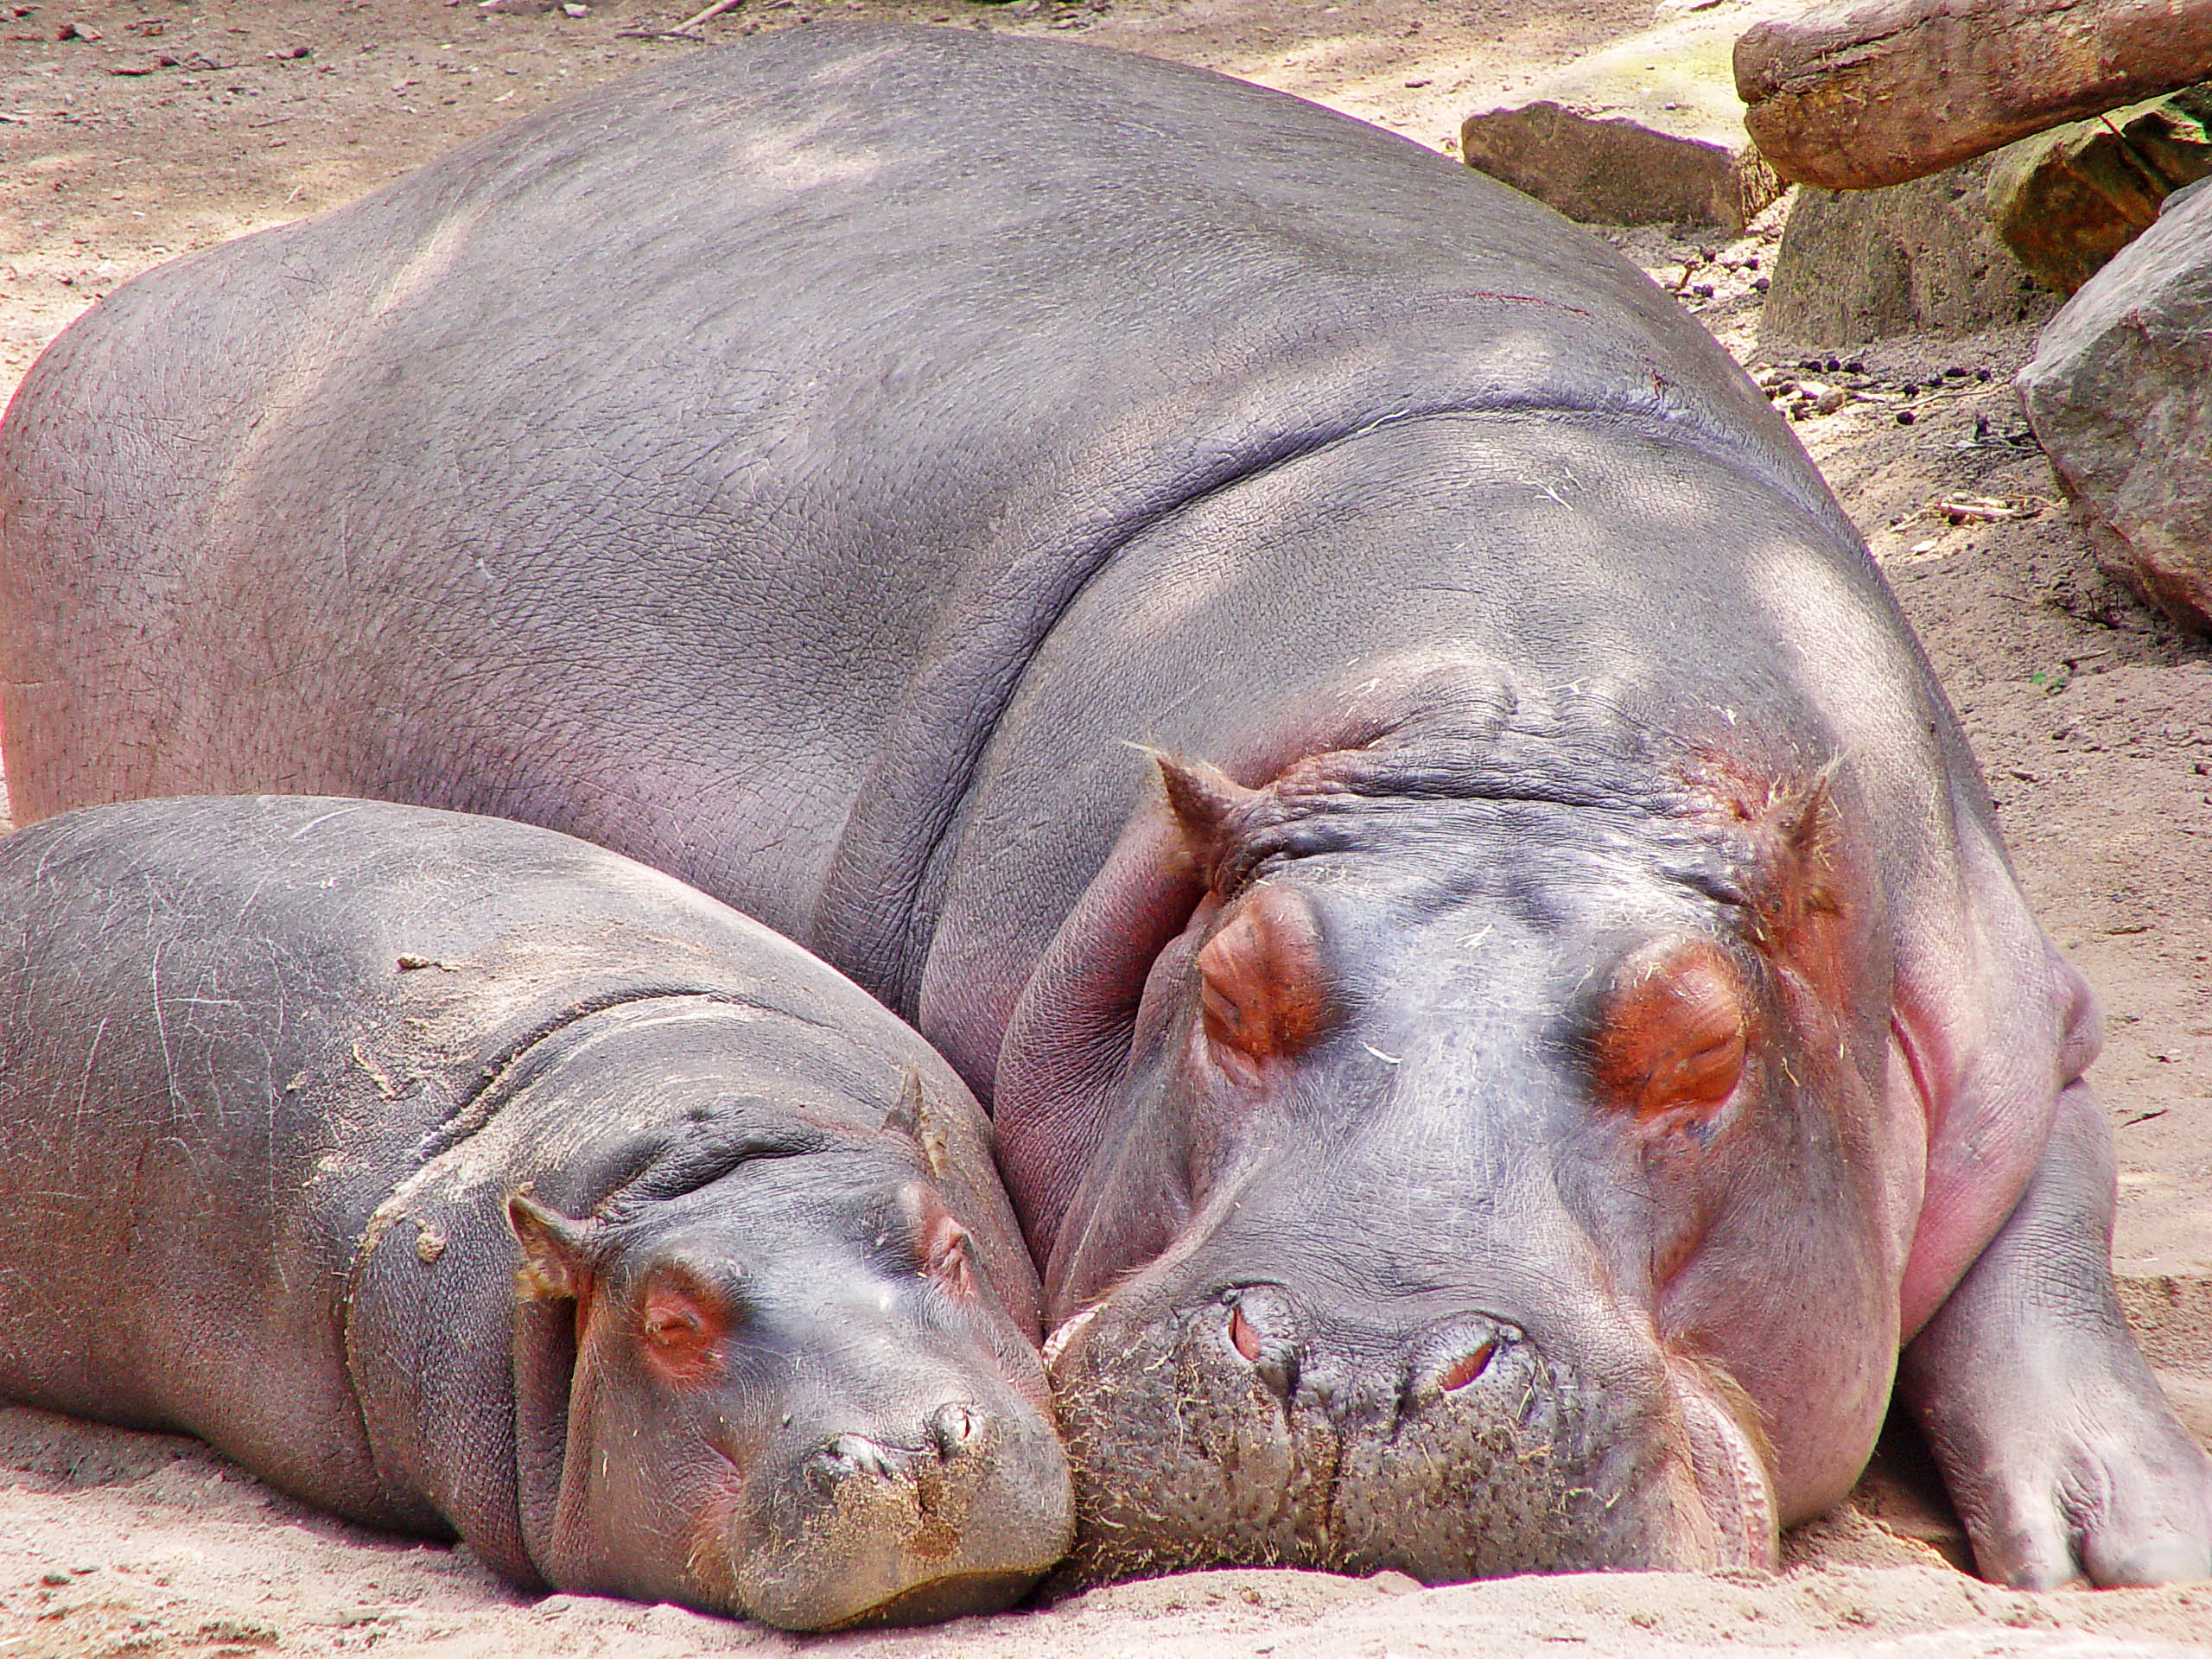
x: 2066, y: 200
x: 1647, y: 131
x: 1856, y: 265
x: 2119, y: 394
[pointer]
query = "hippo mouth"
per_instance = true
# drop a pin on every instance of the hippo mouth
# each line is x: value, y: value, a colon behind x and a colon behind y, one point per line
x: 1508, y: 1459
x: 1734, y: 1499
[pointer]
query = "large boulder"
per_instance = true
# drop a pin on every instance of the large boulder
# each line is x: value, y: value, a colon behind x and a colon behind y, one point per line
x: 1856, y: 265
x: 2120, y: 396
x: 2066, y: 200
x: 1646, y: 131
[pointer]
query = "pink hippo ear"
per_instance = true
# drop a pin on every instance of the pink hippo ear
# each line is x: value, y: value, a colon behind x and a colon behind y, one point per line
x: 1205, y: 801
x: 1672, y: 1029
x: 1263, y: 993
x: 1797, y: 882
x: 913, y: 1118
x: 1798, y: 873
x: 555, y: 1252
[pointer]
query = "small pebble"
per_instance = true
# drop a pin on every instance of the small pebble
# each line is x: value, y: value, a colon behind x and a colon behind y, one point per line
x: 1981, y: 374
x: 1854, y: 367
x: 1910, y: 388
x: 1955, y: 372
x: 1906, y: 417
x: 1703, y: 290
x: 1834, y: 363
x: 1759, y: 284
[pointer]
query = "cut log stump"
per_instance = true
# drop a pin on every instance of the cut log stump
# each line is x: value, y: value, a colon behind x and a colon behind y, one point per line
x: 1851, y: 96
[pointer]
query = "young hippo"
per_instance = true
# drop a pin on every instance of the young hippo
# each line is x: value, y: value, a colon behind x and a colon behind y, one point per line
x: 465, y: 1178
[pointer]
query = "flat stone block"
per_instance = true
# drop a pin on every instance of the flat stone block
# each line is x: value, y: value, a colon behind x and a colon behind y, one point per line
x: 1646, y: 131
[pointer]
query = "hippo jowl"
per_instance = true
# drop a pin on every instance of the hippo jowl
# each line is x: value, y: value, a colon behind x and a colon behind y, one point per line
x: 1555, y: 1023
x: 293, y: 1091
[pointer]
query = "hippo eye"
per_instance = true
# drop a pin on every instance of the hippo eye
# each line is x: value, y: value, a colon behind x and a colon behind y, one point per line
x: 684, y: 1321
x: 1263, y: 993
x: 1673, y: 1033
x: 946, y: 1255
x: 674, y: 1328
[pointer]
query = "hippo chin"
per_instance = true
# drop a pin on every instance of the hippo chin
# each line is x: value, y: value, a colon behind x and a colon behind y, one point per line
x: 1563, y: 1031
x: 465, y: 1178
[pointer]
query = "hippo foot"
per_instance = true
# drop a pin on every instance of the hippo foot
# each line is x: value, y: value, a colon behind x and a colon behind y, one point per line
x: 2062, y: 1457
x: 2118, y: 1495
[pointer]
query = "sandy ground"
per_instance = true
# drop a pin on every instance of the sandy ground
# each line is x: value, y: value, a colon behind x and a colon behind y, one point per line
x: 177, y: 124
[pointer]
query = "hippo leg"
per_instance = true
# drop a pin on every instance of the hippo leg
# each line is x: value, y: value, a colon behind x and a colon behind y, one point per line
x: 2062, y: 1455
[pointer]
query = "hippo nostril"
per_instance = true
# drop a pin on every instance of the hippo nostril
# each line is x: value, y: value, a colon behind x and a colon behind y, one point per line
x: 955, y: 1430
x: 1455, y: 1355
x: 848, y: 1455
x: 1242, y: 1335
x: 1263, y: 1332
x: 1465, y: 1369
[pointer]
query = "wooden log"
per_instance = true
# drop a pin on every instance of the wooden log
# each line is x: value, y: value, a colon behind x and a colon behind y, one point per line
x: 1850, y: 97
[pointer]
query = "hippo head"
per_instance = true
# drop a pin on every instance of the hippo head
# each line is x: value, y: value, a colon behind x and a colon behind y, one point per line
x: 1490, y: 1177
x: 785, y: 1368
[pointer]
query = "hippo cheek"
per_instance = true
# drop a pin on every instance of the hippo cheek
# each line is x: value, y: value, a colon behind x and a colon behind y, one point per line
x: 960, y: 1513
x: 1239, y: 1431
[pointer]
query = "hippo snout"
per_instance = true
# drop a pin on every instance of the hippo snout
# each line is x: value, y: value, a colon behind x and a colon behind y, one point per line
x: 1251, y: 1425
x: 957, y: 1512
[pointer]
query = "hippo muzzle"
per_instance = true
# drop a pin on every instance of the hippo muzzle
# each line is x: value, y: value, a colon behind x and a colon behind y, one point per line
x: 932, y: 1520
x: 1356, y: 1427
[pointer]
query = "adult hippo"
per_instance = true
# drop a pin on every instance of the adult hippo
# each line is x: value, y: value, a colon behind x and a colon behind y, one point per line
x: 293, y: 1093
x: 1565, y: 1021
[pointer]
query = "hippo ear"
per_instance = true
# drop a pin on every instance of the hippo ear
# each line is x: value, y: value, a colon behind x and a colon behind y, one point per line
x: 1263, y: 986
x: 556, y: 1251
x: 1672, y: 1032
x: 912, y: 1118
x: 1797, y: 881
x: 1204, y: 799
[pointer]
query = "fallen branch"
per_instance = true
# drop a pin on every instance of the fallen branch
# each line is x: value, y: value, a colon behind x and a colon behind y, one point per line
x: 1850, y: 97
x: 686, y: 31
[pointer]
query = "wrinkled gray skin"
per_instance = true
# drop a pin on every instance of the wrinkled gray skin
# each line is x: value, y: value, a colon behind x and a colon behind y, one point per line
x: 292, y: 1089
x: 1569, y: 1020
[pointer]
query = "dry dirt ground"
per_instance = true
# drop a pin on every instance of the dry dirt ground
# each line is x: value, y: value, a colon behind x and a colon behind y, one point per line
x: 133, y: 130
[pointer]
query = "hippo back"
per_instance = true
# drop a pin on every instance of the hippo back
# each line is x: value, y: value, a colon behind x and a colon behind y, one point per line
x: 719, y: 448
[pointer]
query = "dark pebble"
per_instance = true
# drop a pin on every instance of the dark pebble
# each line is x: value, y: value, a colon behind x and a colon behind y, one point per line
x: 1910, y: 388
x: 1812, y: 365
x: 1703, y: 290
x: 1855, y: 367
x: 1751, y: 262
x: 1955, y: 372
x: 1759, y: 284
x: 1834, y: 363
x: 1906, y: 417
x: 1981, y: 374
